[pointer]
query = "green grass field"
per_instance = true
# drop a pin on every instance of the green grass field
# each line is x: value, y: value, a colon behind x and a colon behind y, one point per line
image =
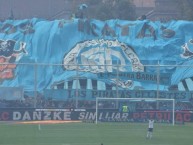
x: 92, y: 134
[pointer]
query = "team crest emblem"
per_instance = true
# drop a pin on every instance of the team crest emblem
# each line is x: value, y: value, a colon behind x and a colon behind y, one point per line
x: 101, y: 56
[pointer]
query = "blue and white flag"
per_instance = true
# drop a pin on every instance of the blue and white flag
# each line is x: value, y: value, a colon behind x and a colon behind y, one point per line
x: 94, y: 47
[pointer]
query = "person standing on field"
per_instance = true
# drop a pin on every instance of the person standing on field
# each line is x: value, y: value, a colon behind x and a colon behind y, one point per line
x: 150, y: 129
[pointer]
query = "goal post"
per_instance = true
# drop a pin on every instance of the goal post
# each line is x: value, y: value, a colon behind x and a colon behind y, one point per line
x: 172, y: 101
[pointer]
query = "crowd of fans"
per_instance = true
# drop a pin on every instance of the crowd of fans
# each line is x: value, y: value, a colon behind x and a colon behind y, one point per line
x: 41, y: 102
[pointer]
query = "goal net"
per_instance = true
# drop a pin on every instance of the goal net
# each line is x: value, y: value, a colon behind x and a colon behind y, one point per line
x: 135, y: 110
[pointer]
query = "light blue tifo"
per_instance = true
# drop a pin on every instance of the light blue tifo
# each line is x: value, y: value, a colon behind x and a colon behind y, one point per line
x: 52, y: 51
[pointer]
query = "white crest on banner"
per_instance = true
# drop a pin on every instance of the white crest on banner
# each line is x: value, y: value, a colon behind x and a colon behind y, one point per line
x: 96, y: 56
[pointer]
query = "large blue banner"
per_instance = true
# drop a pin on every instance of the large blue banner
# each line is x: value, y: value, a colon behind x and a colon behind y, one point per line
x: 95, y: 46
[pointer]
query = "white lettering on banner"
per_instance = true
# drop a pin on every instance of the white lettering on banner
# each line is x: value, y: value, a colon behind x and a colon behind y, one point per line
x: 102, y: 115
x: 112, y: 115
x: 47, y: 115
x: 41, y: 115
x: 37, y: 115
x: 117, y: 116
x: 92, y: 116
x: 81, y: 115
x: 16, y: 115
x: 93, y: 94
x: 57, y: 116
x: 106, y: 114
x: 125, y: 115
x: 67, y: 115
x: 26, y: 116
x: 87, y: 115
